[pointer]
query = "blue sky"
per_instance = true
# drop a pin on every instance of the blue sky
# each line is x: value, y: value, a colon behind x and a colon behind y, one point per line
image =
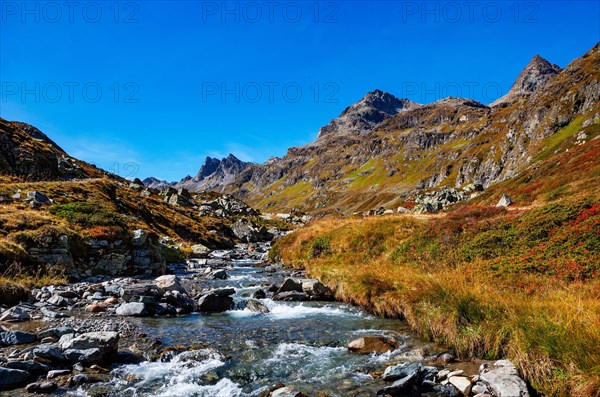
x: 149, y: 88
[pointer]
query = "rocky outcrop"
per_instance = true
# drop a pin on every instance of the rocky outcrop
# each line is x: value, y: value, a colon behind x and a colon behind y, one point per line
x: 140, y: 255
x: 225, y: 206
x: 366, y: 114
x: 534, y: 76
x: 248, y: 232
x: 25, y: 151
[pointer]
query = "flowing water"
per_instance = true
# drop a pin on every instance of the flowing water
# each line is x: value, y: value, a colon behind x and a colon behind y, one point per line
x: 301, y: 344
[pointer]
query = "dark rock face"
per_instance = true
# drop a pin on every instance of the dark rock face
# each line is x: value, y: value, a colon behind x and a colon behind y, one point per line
x: 140, y: 255
x: 209, y: 167
x: 367, y: 113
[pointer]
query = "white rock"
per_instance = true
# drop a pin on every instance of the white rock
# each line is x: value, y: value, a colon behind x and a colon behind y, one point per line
x: 462, y: 383
x: 504, y: 381
x: 505, y: 201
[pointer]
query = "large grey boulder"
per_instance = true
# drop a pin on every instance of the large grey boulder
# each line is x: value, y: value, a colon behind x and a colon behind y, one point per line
x: 86, y: 356
x: 16, y: 313
x: 169, y: 282
x: 182, y: 302
x: 401, y: 385
x: 290, y: 285
x: 132, y: 309
x: 106, y: 340
x: 49, y: 352
x: 395, y: 372
x: 315, y: 288
x: 36, y: 199
x: 503, y: 380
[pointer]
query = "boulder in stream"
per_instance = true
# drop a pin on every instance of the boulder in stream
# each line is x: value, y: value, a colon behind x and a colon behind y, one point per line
x: 286, y: 392
x: 255, y: 306
x: 371, y: 344
x: 91, y: 347
x: 216, y: 301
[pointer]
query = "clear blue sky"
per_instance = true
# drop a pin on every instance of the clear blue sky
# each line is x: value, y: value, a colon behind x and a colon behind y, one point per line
x: 183, y: 80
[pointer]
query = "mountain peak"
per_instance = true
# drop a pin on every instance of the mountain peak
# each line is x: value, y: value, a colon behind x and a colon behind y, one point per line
x: 215, y: 173
x: 535, y: 74
x: 367, y: 113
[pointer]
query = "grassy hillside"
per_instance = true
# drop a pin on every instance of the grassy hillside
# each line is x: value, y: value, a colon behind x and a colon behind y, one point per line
x: 101, y: 209
x: 488, y: 282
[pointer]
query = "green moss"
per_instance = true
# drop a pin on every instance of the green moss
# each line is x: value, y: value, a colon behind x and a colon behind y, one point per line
x: 87, y: 214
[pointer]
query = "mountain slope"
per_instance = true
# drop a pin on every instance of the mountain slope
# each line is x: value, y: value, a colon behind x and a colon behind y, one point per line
x: 27, y: 152
x: 450, y: 142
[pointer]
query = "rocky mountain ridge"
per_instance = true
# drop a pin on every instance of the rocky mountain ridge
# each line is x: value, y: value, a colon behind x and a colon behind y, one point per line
x: 453, y: 142
x: 214, y: 175
x: 367, y: 113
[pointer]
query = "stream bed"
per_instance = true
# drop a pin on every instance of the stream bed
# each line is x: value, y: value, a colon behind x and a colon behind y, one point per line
x: 297, y: 343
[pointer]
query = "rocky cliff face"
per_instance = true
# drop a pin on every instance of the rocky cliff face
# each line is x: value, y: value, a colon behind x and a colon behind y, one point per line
x: 535, y: 74
x: 215, y: 174
x: 361, y: 162
x: 367, y: 113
